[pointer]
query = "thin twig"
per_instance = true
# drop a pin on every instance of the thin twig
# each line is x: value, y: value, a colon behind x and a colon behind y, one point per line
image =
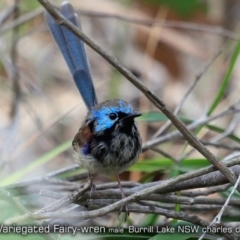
x: 14, y: 57
x: 206, y: 178
x: 229, y: 130
x: 217, y: 30
x: 6, y: 13
x: 144, y: 209
x: 21, y: 20
x: 7, y: 197
x: 217, y: 219
x: 165, y: 154
x: 66, y: 200
x: 206, y: 192
x: 186, y: 95
x: 116, y: 195
x: 192, y: 126
x: 219, y: 145
x: 166, y: 185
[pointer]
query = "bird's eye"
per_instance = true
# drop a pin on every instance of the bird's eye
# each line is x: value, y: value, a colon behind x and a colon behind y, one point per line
x: 112, y: 116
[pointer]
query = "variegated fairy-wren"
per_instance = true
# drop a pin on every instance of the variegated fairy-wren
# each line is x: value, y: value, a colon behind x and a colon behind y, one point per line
x: 108, y: 142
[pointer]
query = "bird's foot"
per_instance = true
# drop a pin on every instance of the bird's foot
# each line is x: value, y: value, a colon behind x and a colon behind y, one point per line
x: 125, y: 210
x: 92, y: 185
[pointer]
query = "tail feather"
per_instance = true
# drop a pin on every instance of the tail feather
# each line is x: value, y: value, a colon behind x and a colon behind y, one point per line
x: 74, y: 53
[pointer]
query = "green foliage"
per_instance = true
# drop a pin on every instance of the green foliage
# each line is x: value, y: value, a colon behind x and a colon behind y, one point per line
x: 37, y: 163
x: 15, y: 236
x: 160, y: 117
x: 226, y: 79
x: 152, y: 117
x: 29, y: 5
x: 6, y: 211
x: 152, y: 165
x: 184, y: 8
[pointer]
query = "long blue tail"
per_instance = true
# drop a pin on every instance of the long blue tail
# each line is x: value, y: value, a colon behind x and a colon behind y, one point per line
x: 74, y: 53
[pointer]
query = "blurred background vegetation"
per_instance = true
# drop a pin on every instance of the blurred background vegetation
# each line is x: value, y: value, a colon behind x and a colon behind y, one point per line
x: 41, y: 109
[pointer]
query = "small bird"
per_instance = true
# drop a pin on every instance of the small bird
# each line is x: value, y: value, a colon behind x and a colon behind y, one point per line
x: 108, y: 141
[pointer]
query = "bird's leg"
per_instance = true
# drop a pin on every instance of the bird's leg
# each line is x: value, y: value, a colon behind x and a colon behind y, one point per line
x: 92, y: 185
x: 120, y: 186
x: 126, y: 208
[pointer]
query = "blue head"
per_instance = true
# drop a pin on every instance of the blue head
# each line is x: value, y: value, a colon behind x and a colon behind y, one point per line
x: 111, y: 114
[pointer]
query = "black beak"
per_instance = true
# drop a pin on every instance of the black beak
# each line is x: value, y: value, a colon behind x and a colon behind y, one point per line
x: 131, y: 116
